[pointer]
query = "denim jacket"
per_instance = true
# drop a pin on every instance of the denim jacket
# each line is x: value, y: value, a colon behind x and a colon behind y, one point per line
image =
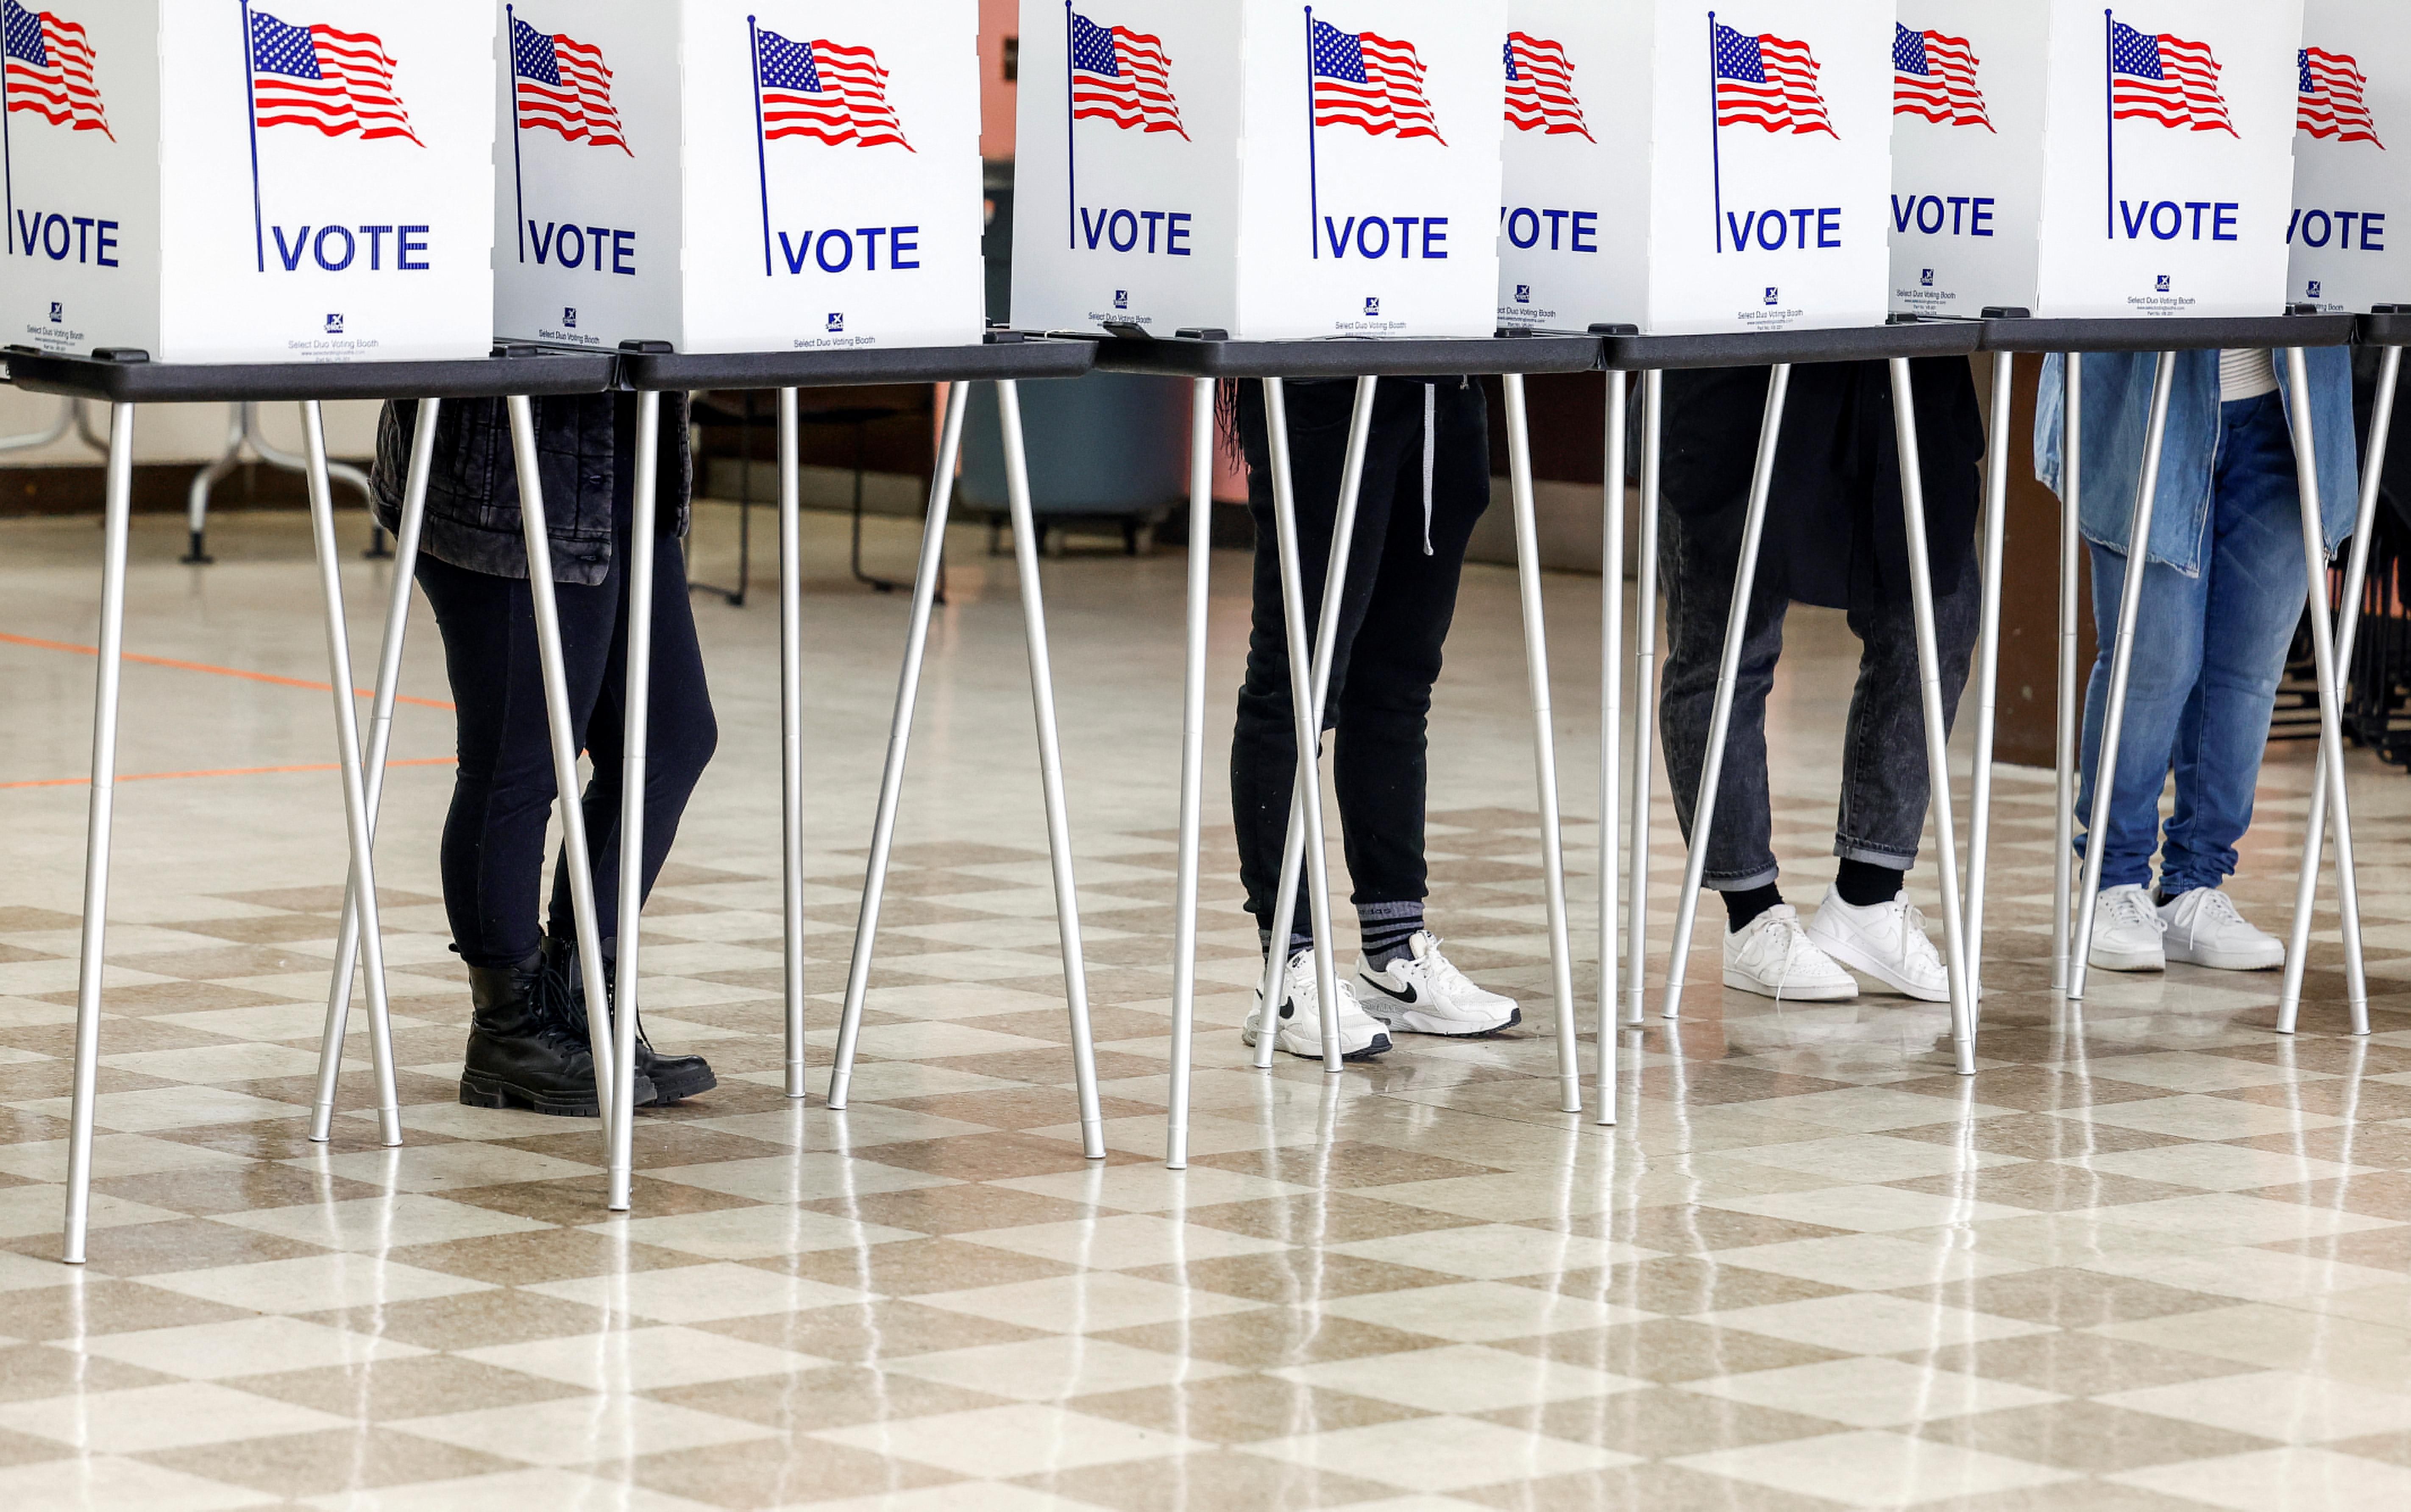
x: 472, y: 491
x: 2117, y: 417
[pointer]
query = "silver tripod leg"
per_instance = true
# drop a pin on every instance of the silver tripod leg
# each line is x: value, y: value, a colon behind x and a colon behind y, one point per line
x: 389, y: 685
x: 1310, y: 678
x: 636, y: 771
x: 1712, y: 769
x: 2326, y: 663
x: 576, y: 859
x: 2356, y: 579
x: 1050, y: 769
x: 100, y: 816
x: 358, y: 823
x: 790, y: 722
x: 1937, y: 736
x: 2122, y: 662
x: 2071, y: 689
x: 1544, y: 748
x: 1988, y: 672
x: 1192, y: 769
x: 1644, y: 696
x: 1611, y: 733
x: 900, y: 738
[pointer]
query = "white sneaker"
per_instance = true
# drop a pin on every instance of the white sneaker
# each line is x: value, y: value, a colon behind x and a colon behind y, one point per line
x: 2126, y: 932
x: 1423, y: 993
x: 1886, y: 941
x: 1300, y: 1029
x: 1773, y: 957
x: 2204, y: 930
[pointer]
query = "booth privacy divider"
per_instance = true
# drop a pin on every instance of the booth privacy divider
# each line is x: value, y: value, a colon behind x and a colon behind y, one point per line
x: 2350, y: 227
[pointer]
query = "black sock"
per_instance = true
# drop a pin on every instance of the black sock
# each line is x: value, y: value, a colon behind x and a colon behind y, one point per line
x: 1863, y: 884
x: 1387, y: 930
x: 1743, y: 906
x: 1299, y: 939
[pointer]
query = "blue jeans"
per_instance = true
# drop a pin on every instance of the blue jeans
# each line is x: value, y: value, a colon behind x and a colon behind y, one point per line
x: 2209, y: 652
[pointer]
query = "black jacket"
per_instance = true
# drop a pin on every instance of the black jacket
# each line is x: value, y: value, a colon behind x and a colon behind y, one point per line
x: 472, y: 491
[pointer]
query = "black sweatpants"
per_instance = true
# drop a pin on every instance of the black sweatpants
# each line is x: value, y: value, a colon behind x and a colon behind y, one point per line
x: 495, y: 837
x: 1401, y: 595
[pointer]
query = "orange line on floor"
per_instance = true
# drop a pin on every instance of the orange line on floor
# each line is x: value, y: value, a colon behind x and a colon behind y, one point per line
x: 214, y: 671
x: 225, y: 771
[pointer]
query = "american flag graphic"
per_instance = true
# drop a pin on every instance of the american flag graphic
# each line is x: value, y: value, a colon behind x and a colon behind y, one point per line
x: 338, y: 83
x: 831, y: 94
x: 49, y: 70
x: 1362, y: 79
x: 1540, y: 88
x: 1123, y: 76
x: 2165, y: 79
x: 1934, y: 77
x: 1767, y: 81
x: 564, y: 86
x: 2334, y: 97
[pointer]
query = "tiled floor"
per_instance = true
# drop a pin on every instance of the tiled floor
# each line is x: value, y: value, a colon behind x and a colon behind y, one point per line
x: 2153, y: 1258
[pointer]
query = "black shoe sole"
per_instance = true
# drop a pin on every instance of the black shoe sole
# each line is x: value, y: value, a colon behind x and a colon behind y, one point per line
x: 679, y: 1089
x: 484, y: 1091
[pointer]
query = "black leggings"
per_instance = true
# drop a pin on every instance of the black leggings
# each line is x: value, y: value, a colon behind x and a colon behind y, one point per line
x: 495, y: 837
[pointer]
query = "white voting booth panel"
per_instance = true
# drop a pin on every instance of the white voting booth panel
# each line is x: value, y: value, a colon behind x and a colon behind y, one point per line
x: 281, y: 180
x: 1265, y: 168
x: 739, y: 175
x: 2140, y: 160
x: 2350, y: 230
x: 1692, y: 167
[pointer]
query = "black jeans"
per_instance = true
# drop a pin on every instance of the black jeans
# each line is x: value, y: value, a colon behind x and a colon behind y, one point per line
x: 1885, y: 788
x: 501, y: 799
x: 1401, y: 594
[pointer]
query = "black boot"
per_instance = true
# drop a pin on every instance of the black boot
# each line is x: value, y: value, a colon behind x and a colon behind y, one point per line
x: 674, y: 1078
x: 521, y: 1052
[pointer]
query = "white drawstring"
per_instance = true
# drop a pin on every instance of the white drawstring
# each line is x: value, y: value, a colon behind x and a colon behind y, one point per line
x: 1431, y: 444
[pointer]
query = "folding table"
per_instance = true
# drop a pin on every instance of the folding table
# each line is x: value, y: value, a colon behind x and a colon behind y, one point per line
x: 1205, y: 358
x: 122, y: 379
x: 1651, y: 355
x: 1005, y: 358
x: 2006, y: 332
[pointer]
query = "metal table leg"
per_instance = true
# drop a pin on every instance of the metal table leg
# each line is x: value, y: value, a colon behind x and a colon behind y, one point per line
x: 1193, y: 770
x: 638, y: 699
x: 100, y: 813
x: 1938, y: 737
x: 566, y: 744
x: 1988, y: 671
x: 2070, y: 730
x: 1728, y: 675
x: 790, y: 722
x: 2325, y: 664
x: 2356, y: 579
x: 1309, y: 679
x: 1545, y: 746
x: 900, y: 737
x: 1050, y: 769
x: 2121, y: 661
x: 1611, y: 733
x: 389, y: 685
x: 243, y: 430
x: 56, y: 431
x: 1644, y: 696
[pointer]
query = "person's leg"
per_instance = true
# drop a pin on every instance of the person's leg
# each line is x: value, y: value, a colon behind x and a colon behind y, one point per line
x: 1886, y: 788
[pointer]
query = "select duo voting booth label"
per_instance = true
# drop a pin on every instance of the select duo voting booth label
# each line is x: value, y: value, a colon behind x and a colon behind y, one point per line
x: 1695, y: 167
x: 2084, y: 161
x: 278, y: 181
x: 1265, y: 168
x: 739, y: 175
x: 2349, y: 231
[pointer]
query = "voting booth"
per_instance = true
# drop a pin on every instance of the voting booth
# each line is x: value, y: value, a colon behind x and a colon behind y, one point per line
x: 2082, y: 163
x: 1260, y: 167
x: 1692, y: 167
x: 2350, y: 229
x: 739, y: 175
x: 282, y: 180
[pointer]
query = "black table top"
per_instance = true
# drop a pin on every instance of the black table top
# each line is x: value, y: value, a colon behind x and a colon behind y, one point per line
x: 1850, y: 344
x: 1193, y: 355
x: 2389, y: 325
x: 2175, y: 333
x: 1003, y: 356
x: 134, y: 379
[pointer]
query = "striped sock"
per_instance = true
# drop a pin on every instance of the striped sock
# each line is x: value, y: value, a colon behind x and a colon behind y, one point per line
x: 1298, y: 940
x: 1386, y: 929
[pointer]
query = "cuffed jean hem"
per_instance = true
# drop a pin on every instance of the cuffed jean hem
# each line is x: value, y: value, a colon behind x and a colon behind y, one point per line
x: 1866, y: 854
x: 2121, y: 870
x: 1764, y: 878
